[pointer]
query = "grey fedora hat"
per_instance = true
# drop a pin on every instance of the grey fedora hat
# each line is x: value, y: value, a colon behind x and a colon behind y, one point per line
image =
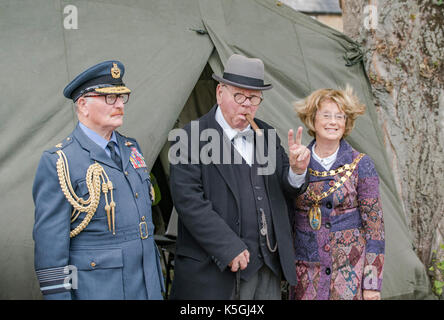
x: 244, y: 72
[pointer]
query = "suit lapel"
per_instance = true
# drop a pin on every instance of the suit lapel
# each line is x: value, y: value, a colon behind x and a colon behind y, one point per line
x: 260, y: 151
x: 125, y: 149
x: 314, y: 165
x: 345, y: 155
x: 225, y: 170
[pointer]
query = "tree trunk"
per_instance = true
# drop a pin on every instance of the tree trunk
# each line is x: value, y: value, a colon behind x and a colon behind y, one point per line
x: 403, y: 46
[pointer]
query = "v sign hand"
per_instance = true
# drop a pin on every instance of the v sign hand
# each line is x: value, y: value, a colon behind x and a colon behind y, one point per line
x: 298, y: 153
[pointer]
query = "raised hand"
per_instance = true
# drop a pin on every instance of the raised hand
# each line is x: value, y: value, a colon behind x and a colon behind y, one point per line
x: 299, y: 154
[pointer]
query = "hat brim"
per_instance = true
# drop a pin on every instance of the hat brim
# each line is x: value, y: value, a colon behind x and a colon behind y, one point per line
x: 113, y: 89
x: 241, y: 85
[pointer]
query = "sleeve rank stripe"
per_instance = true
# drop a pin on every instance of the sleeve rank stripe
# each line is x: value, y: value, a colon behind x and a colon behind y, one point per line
x: 43, y: 274
x: 54, y: 289
x: 51, y: 269
x: 50, y: 274
x: 49, y: 278
x: 55, y: 274
x: 44, y: 284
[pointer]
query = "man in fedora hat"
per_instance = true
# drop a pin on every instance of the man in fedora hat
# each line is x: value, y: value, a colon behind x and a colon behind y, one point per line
x: 234, y: 237
x: 93, y: 228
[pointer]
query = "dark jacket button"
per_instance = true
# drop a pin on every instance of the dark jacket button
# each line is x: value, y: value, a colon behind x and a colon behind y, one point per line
x: 327, y: 271
x: 328, y: 225
x: 328, y: 205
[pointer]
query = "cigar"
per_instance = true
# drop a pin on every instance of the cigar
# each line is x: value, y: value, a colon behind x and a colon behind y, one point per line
x: 253, y: 125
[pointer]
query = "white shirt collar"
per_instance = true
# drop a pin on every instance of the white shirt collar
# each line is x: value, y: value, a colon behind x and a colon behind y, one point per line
x: 228, y: 130
x: 325, y: 162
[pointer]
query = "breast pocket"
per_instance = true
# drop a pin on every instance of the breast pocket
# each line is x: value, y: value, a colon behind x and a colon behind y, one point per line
x: 99, y: 273
x: 144, y: 175
x: 81, y: 190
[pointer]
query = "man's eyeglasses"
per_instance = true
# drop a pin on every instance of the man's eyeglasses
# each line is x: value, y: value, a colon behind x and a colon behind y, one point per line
x: 112, y: 98
x: 240, y: 98
x: 329, y: 116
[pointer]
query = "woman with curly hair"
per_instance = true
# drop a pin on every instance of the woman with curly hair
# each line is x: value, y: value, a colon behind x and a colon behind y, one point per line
x: 338, y: 224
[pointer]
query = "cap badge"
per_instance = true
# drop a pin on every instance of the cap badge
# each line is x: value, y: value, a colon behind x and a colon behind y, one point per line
x: 115, y: 71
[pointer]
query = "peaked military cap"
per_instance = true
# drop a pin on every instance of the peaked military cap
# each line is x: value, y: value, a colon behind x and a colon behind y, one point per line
x: 105, y: 78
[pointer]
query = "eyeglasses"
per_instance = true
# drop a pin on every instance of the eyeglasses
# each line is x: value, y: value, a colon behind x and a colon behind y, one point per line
x: 329, y: 116
x: 240, y: 98
x: 112, y: 98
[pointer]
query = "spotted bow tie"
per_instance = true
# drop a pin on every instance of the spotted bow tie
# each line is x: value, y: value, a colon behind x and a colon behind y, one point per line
x: 244, y: 134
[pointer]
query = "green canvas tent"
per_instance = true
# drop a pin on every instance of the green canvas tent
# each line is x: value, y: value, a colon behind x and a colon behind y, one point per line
x: 169, y: 48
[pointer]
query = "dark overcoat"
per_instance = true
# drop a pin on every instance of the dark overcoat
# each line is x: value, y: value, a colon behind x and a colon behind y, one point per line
x: 206, y: 197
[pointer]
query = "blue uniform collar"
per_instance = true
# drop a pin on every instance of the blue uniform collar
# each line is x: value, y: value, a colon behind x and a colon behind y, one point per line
x: 98, y: 139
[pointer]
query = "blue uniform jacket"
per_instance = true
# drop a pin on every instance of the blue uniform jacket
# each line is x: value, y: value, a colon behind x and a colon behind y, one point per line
x: 95, y: 264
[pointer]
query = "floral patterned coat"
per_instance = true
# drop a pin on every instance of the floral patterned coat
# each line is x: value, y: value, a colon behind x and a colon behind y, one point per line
x: 346, y: 255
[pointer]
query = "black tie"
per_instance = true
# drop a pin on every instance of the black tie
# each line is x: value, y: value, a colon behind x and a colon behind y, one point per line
x: 114, y: 154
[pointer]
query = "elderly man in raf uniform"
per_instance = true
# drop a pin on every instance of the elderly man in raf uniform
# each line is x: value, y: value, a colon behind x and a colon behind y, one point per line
x: 93, y: 227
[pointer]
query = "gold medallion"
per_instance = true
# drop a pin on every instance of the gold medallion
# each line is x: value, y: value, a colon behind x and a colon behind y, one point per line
x: 315, y: 216
x: 115, y: 71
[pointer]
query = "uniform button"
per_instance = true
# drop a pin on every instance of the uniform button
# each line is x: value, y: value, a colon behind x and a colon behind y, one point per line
x: 259, y: 198
x: 327, y: 248
x: 126, y: 173
x: 328, y: 205
x: 136, y: 195
x: 327, y: 271
x: 257, y: 187
x: 93, y: 264
x: 328, y: 225
x: 143, y: 218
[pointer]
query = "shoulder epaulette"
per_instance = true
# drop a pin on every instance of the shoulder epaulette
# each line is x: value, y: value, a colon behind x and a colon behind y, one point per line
x: 67, y: 141
x: 128, y: 141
